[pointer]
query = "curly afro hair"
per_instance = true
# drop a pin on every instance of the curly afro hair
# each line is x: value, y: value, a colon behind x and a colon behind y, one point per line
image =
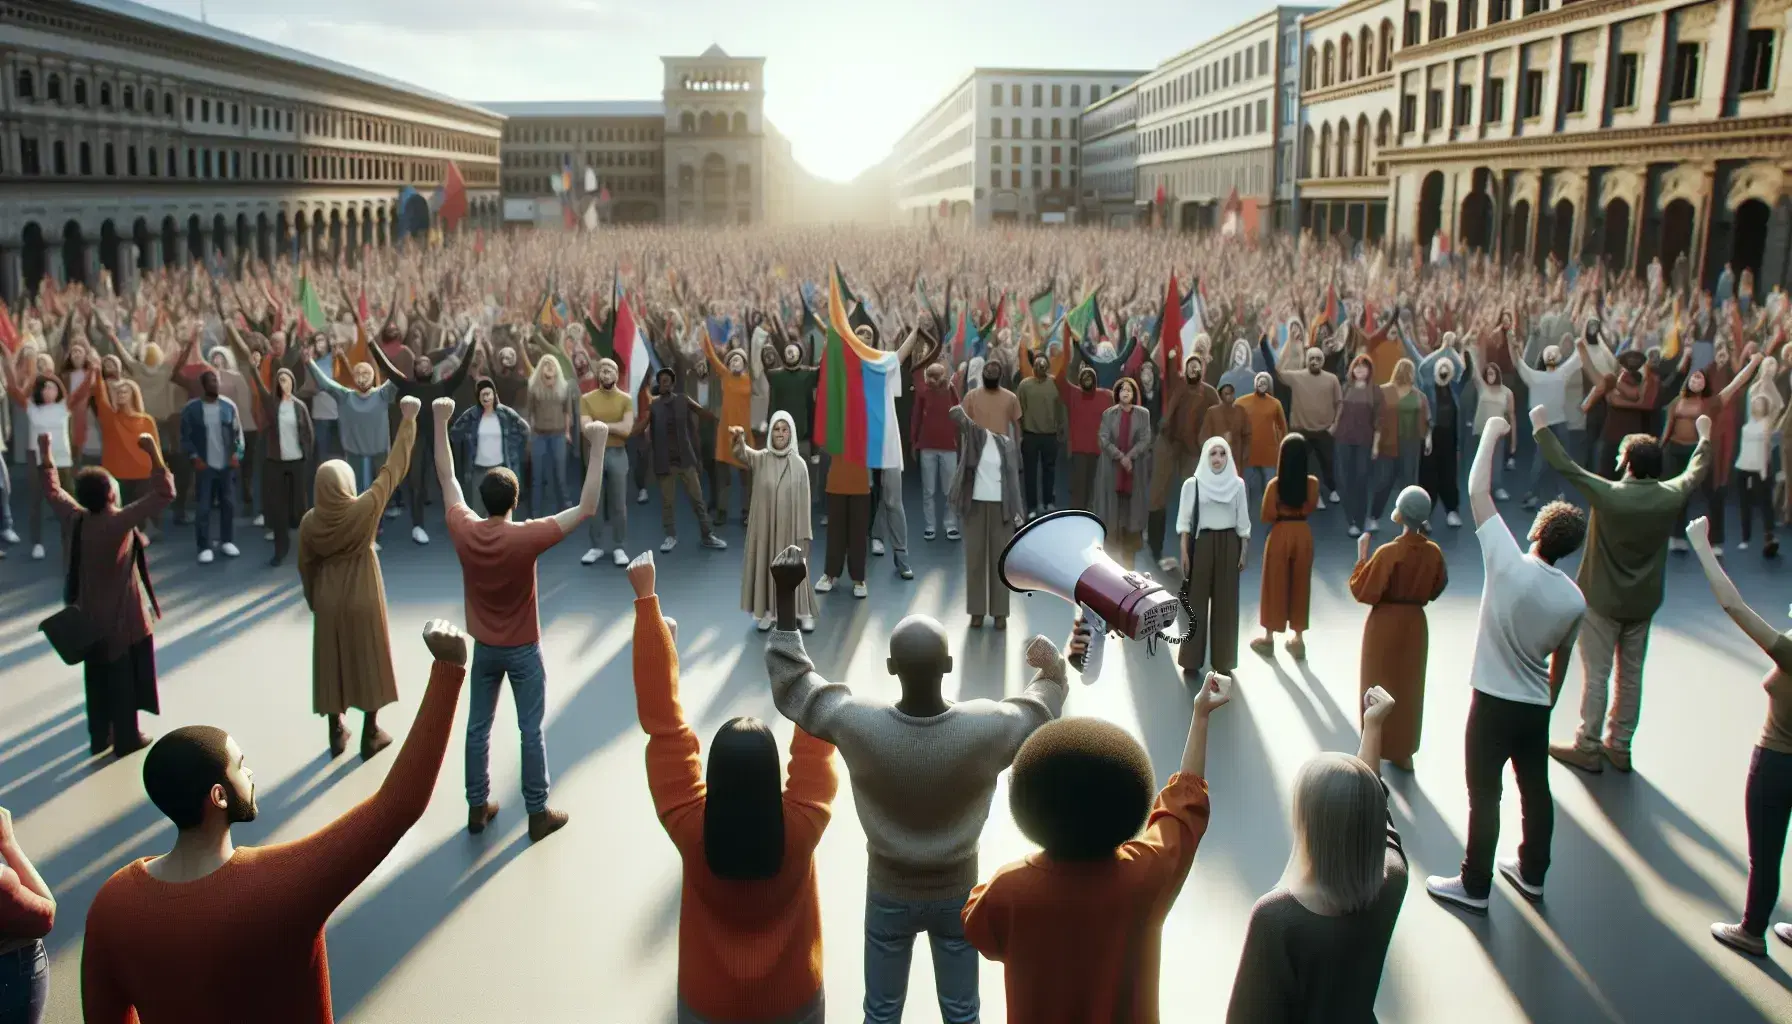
x: 1081, y: 787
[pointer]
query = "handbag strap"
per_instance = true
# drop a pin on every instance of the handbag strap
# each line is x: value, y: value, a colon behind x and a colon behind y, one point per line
x: 71, y: 587
x: 142, y: 566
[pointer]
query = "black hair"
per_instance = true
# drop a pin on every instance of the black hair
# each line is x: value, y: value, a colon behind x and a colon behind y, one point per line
x: 1641, y: 453
x: 43, y: 381
x: 498, y: 490
x: 1560, y: 528
x: 181, y: 769
x: 1080, y: 787
x: 1291, y: 471
x: 743, y: 815
x: 93, y: 488
x: 486, y: 384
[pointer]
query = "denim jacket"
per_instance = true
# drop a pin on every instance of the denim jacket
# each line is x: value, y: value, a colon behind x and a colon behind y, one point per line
x: 463, y: 433
x: 192, y: 428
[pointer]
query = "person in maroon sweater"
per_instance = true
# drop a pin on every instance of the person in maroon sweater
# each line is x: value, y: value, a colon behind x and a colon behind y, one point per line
x: 936, y: 445
x: 1084, y: 405
x: 27, y: 913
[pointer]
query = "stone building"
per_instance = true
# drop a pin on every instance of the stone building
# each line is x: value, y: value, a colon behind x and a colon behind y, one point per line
x: 1110, y: 160
x: 131, y: 137
x: 1347, y: 100
x: 1622, y: 130
x: 724, y: 162
x: 622, y: 142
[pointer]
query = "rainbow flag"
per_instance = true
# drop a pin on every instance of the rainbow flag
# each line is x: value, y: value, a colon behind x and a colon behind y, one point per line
x: 855, y: 404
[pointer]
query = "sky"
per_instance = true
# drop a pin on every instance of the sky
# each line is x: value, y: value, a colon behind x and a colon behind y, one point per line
x: 843, y: 80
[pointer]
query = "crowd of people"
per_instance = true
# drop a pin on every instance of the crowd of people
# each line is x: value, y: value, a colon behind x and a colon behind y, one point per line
x: 1181, y: 384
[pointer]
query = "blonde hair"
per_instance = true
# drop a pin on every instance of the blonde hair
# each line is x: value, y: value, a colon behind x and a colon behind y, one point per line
x: 1405, y: 373
x: 134, y: 393
x: 1340, y: 833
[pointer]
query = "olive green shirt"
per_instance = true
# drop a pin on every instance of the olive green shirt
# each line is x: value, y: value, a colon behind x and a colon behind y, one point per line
x: 1625, y: 559
x: 1041, y: 408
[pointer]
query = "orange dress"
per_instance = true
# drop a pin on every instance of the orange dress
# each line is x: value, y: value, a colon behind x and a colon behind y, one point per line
x: 1398, y: 580
x: 1287, y: 560
x: 737, y: 405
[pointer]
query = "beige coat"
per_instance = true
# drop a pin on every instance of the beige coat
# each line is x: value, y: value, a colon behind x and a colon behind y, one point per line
x: 351, y: 655
x: 778, y: 518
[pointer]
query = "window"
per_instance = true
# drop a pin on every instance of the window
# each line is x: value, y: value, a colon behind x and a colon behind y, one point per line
x: 1496, y: 100
x: 1465, y: 16
x: 1531, y: 103
x: 205, y: 111
x: 1465, y: 104
x: 1014, y: 126
x: 1072, y: 131
x: 1575, y: 102
x: 1409, y: 112
x: 1624, y: 81
x: 1434, y: 109
x: 995, y: 154
x: 155, y: 162
x: 235, y: 113
x: 1410, y: 35
x: 995, y: 179
x: 1057, y: 154
x: 1094, y: 93
x: 1440, y: 19
x: 192, y: 163
x: 995, y: 127
x: 1057, y: 178
x: 1249, y: 62
x: 111, y: 161
x: 1038, y: 95
x: 205, y: 162
x: 189, y: 108
x: 28, y: 158
x: 106, y: 95
x: 1757, y: 60
x: 1057, y: 95
x: 130, y: 160
x: 1038, y: 154
x: 236, y: 164
x: 1057, y: 128
x: 1014, y: 95
x: 1037, y: 128
x: 1535, y: 6
x: 1686, y: 73
x: 1076, y: 96
x: 1236, y: 111
x: 1263, y: 57
x: 86, y: 158
x: 130, y: 97
x: 1262, y: 115
x: 1014, y: 155
x: 995, y: 94
x: 1237, y: 67
x: 1498, y: 11
x: 289, y: 120
x: 80, y: 92
x: 53, y: 88
x: 59, y: 154
x: 1038, y: 178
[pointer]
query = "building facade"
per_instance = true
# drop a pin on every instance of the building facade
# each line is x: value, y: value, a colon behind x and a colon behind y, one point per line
x: 1347, y: 106
x: 1210, y: 122
x: 724, y: 162
x: 1002, y: 146
x: 621, y: 142
x: 1110, y: 160
x: 1615, y: 130
x: 131, y: 138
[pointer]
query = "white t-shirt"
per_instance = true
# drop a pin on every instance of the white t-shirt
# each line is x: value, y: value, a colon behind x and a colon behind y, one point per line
x: 989, y: 472
x: 50, y: 418
x: 287, y: 419
x: 1213, y: 515
x: 1528, y: 608
x: 490, y: 450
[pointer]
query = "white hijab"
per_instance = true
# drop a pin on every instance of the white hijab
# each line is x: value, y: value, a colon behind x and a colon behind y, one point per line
x: 789, y: 445
x: 1220, y: 487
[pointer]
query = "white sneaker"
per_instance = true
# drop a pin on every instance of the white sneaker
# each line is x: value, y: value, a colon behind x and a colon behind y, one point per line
x: 859, y: 590
x: 392, y: 512
x: 808, y: 623
x: 641, y: 496
x: 591, y: 557
x: 1450, y: 890
x: 1374, y: 526
x: 1508, y: 866
x: 1163, y: 564
x: 1743, y: 546
x: 1717, y: 549
x: 9, y: 536
x: 619, y: 557
x: 267, y: 535
x: 764, y: 623
x: 258, y: 521
x: 418, y: 535
x: 1501, y: 495
x: 1355, y: 531
x: 1333, y: 497
x: 877, y: 546
x: 206, y: 556
x: 1320, y: 505
x: 230, y: 550
x: 37, y: 552
x: 1452, y: 519
x: 668, y: 544
x: 824, y: 584
x: 1050, y: 508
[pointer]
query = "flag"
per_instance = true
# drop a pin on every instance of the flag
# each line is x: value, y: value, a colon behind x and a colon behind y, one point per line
x: 549, y: 313
x: 1042, y: 306
x: 1000, y: 319
x: 631, y: 352
x: 1170, y: 324
x: 361, y: 310
x: 1087, y: 314
x: 1670, y: 345
x: 454, y: 197
x: 9, y: 334
x: 855, y: 404
x: 309, y: 305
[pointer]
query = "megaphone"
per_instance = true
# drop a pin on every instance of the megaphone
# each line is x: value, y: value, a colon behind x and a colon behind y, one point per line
x: 1061, y: 553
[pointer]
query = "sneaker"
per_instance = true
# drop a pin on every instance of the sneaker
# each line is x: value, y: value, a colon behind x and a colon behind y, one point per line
x: 952, y: 533
x: 1590, y: 761
x: 543, y: 824
x: 1508, y: 866
x: 860, y: 591
x: 1734, y: 937
x: 1321, y: 505
x: 1783, y: 932
x: 37, y: 552
x: 619, y: 557
x: 418, y: 535
x: 9, y: 536
x: 877, y: 547
x: 715, y: 543
x: 1529, y: 502
x: 1619, y: 759
x: 267, y: 535
x: 591, y: 557
x: 1374, y: 525
x: 392, y: 512
x: 1450, y: 890
x: 824, y: 584
x: 1742, y: 546
x: 1676, y: 544
x: 763, y: 623
x: 641, y: 496
x: 1452, y: 519
x: 230, y: 550
x: 808, y: 623
x: 1716, y: 549
x: 258, y: 521
x: 927, y: 534
x: 1501, y: 495
x: 1355, y: 531
x: 903, y: 570
x: 668, y: 544
x: 206, y: 556
x: 1333, y: 497
x: 1166, y: 564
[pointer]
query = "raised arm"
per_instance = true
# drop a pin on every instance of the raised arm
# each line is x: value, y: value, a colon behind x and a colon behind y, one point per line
x: 326, y: 383
x: 443, y: 410
x: 1589, y: 484
x: 1735, y: 386
x: 596, y: 434
x: 405, y: 385
x: 1480, y: 472
x: 674, y: 767
x: 1728, y: 597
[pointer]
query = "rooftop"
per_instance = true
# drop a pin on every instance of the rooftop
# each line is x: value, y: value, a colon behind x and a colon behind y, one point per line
x: 578, y: 108
x: 213, y: 34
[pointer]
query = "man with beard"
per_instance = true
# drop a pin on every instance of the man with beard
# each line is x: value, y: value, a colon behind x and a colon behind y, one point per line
x: 612, y: 407
x: 672, y: 438
x: 211, y: 932
x: 1041, y: 420
x: 211, y: 436
x: 1178, y: 444
x: 1083, y: 406
x: 1315, y: 396
x: 512, y: 380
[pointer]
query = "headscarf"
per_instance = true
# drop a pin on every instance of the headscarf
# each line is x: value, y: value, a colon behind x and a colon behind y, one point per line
x: 1414, y: 506
x: 332, y: 524
x: 1222, y: 486
x: 789, y: 445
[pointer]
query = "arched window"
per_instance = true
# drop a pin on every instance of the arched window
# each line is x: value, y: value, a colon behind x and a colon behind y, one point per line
x: 80, y: 92
x: 1342, y: 160
x: 1309, y: 75
x: 1327, y: 68
x: 687, y: 122
x: 706, y: 122
x: 25, y: 87
x: 1384, y: 132
x: 1360, y: 168
x: 1385, y: 54
x: 740, y: 124
x: 130, y: 97
x: 149, y: 102
x: 1365, y: 53
x: 1325, y: 151
x: 1346, y: 66
x: 106, y: 95
x: 1307, y: 163
x: 53, y: 88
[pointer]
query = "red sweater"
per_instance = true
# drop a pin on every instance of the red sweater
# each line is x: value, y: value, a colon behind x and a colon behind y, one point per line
x: 746, y: 950
x: 930, y: 418
x: 246, y: 942
x: 1085, y: 409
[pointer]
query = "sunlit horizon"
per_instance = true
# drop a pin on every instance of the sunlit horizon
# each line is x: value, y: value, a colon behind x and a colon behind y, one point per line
x: 841, y: 85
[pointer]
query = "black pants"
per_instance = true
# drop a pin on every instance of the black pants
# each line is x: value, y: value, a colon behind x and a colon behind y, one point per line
x: 1755, y: 497
x: 1038, y: 469
x: 115, y: 690
x: 283, y: 493
x: 423, y: 473
x: 1501, y: 730
x: 1082, y: 477
x: 1320, y: 448
x: 1679, y: 455
x: 849, y: 534
x: 1437, y: 470
x: 1768, y: 806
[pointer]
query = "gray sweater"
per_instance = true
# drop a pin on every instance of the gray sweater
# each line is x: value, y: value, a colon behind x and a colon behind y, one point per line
x: 922, y: 786
x: 361, y: 417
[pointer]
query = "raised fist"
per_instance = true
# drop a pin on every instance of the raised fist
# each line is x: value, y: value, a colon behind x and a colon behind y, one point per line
x: 641, y: 574
x: 790, y: 569
x: 408, y: 406
x: 1043, y: 655
x: 445, y: 642
x: 597, y: 432
x: 444, y: 408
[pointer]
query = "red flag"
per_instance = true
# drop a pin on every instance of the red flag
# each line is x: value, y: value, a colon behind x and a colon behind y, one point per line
x: 603, y: 194
x: 361, y: 307
x: 1169, y: 344
x: 454, y: 197
x: 1160, y: 194
x: 9, y: 335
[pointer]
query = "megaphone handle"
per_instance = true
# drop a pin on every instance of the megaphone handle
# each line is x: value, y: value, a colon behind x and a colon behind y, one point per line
x: 1089, y: 664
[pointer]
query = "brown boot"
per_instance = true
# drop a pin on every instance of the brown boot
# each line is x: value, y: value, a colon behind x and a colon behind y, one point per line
x: 976, y: 622
x: 373, y: 738
x: 479, y: 817
x: 1001, y: 622
x: 338, y: 736
x: 543, y: 824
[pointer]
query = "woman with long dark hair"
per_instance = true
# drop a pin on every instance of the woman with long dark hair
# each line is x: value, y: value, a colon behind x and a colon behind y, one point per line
x: 47, y: 413
x: 1288, y: 553
x: 749, y: 919
x: 1679, y: 437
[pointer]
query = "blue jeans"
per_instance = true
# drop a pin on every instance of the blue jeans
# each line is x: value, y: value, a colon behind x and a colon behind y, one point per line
x: 547, y: 462
x: 529, y: 688
x: 1353, y: 475
x: 891, y: 925
x: 215, y: 486
x: 5, y: 496
x: 1392, y: 475
x: 324, y: 435
x: 24, y: 985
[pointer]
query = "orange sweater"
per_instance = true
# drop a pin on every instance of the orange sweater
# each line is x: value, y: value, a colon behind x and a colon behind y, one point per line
x: 1082, y: 941
x: 246, y: 942
x: 747, y: 951
x: 737, y: 404
x: 1268, y: 427
x: 119, y: 454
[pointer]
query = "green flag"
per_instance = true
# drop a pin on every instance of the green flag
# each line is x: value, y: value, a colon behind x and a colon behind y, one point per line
x: 1041, y: 307
x: 312, y: 309
x: 1086, y: 313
